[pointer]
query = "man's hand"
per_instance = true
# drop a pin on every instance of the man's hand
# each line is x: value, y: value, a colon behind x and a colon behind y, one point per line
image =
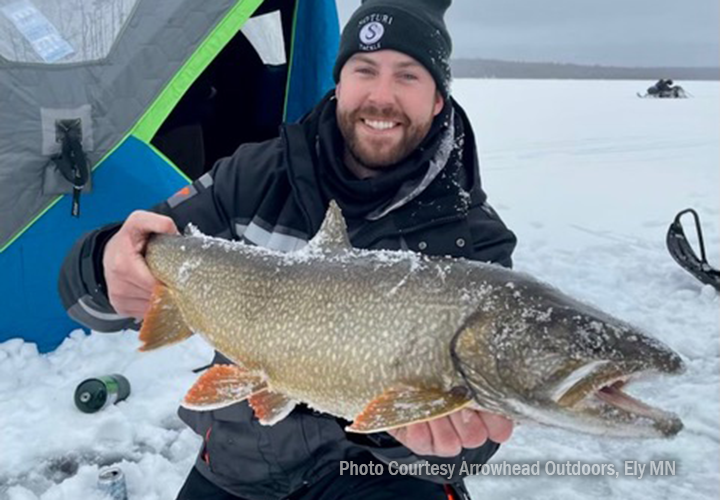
x: 447, y: 436
x: 129, y: 281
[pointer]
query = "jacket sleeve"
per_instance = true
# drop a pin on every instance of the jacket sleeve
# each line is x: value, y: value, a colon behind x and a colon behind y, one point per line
x: 82, y: 284
x: 210, y: 203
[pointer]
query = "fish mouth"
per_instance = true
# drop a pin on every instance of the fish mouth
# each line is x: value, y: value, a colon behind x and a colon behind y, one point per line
x: 597, y: 391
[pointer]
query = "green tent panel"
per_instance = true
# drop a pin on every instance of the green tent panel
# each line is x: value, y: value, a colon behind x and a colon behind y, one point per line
x: 140, y: 97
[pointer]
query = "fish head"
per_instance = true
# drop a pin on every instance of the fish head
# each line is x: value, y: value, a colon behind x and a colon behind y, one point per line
x: 538, y: 354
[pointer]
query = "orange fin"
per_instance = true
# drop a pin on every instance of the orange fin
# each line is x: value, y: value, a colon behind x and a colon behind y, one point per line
x: 403, y: 406
x: 271, y: 407
x: 163, y: 324
x: 221, y: 386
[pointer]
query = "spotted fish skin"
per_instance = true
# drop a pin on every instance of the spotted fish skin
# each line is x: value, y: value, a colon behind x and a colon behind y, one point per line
x: 366, y: 335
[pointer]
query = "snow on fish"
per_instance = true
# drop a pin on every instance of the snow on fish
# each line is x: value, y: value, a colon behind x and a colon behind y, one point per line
x: 385, y: 339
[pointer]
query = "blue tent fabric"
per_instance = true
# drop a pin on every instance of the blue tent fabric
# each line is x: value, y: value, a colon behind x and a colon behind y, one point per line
x: 134, y: 176
x: 313, y: 56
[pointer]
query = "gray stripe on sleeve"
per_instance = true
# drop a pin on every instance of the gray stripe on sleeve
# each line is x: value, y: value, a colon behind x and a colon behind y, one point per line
x: 183, y: 195
x: 86, y: 313
x: 206, y: 180
x: 272, y: 240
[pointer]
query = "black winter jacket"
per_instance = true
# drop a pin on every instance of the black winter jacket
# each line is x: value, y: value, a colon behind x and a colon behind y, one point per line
x: 274, y: 194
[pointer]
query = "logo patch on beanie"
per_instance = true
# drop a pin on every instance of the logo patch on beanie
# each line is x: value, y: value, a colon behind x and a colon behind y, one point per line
x: 372, y: 29
x: 372, y: 33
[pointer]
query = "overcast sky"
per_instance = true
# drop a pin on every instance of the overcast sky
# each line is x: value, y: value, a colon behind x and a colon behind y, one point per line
x: 605, y: 32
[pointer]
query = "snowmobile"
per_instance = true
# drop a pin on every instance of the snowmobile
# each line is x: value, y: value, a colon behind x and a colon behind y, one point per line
x: 673, y: 92
x: 683, y: 253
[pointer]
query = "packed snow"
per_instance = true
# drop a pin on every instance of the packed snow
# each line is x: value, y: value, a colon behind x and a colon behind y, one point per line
x: 589, y: 177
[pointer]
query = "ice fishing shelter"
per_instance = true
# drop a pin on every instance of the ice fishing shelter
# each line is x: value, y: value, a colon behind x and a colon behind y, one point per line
x: 107, y: 106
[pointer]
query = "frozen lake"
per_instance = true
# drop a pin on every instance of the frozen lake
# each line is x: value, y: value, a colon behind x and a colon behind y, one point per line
x: 589, y: 177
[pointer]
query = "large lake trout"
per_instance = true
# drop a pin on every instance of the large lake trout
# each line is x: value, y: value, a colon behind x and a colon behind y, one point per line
x: 385, y: 339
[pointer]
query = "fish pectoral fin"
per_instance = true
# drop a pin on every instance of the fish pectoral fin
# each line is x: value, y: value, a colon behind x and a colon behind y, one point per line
x: 163, y: 324
x: 221, y: 386
x: 271, y: 407
x: 398, y: 407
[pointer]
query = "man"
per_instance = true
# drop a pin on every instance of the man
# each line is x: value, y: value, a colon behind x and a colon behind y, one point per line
x: 661, y: 88
x: 398, y: 154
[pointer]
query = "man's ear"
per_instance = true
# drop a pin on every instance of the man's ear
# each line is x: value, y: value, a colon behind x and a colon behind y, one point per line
x: 439, y: 103
x: 338, y: 88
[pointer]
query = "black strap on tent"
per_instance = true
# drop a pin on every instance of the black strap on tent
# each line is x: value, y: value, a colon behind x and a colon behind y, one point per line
x: 682, y: 252
x: 72, y: 161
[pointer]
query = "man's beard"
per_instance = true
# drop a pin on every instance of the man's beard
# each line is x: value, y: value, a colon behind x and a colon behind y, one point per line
x: 376, y: 158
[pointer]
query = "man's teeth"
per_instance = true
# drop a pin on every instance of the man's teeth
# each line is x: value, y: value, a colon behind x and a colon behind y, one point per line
x: 378, y: 125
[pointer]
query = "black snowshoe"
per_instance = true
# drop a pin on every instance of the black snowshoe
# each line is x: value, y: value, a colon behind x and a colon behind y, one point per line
x: 680, y: 249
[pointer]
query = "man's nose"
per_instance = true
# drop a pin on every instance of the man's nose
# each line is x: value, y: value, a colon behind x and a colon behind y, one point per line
x: 383, y: 91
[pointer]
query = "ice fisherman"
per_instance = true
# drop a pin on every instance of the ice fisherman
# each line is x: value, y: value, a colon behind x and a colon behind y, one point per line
x: 398, y: 153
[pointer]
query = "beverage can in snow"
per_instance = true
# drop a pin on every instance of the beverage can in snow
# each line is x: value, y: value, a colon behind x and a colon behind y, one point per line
x: 94, y: 394
x: 111, y: 482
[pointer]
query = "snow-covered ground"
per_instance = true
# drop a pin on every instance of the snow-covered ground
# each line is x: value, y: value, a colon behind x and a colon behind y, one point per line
x: 589, y: 177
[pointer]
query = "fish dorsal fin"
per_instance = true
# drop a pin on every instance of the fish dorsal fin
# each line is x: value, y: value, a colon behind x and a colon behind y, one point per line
x: 333, y: 231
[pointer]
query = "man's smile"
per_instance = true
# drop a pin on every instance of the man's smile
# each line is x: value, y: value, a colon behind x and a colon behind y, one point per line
x: 380, y: 125
x: 380, y: 128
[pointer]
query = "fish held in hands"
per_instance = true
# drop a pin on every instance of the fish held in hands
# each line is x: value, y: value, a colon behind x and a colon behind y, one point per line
x: 388, y: 338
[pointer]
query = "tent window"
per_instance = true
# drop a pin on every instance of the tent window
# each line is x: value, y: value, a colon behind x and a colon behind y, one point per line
x: 266, y: 36
x: 53, y: 32
x: 239, y: 97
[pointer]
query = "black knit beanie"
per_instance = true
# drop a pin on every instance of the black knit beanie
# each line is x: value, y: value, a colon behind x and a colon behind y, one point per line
x: 413, y: 27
